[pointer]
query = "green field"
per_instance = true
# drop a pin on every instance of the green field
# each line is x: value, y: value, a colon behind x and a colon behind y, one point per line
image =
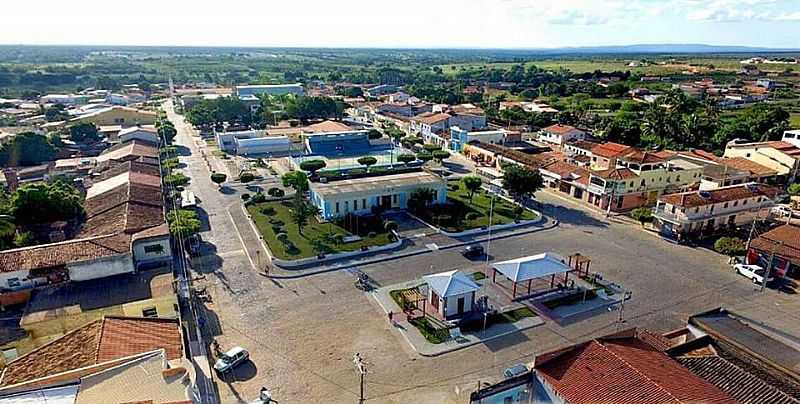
x: 316, y: 237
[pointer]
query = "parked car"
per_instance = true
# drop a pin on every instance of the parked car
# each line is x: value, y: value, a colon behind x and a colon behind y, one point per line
x: 752, y: 272
x: 472, y: 251
x: 195, y: 242
x: 231, y: 359
x: 516, y: 370
x: 782, y: 211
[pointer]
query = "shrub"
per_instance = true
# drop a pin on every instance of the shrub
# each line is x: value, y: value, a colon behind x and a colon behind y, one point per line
x: 472, y: 215
x: 269, y: 211
x: 454, y: 187
x: 277, y: 229
x: 279, y: 193
x: 338, y: 238
x: 272, y: 191
x: 642, y: 215
x: 730, y: 246
x: 282, y: 237
x: 390, y: 225
x: 372, y: 234
x: 245, y: 197
x: 258, y: 198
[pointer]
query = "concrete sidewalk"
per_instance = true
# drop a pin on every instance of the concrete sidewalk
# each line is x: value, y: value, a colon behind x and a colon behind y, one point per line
x: 421, y: 345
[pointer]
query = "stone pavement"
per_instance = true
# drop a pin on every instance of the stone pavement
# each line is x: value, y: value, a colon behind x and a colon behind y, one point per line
x: 421, y: 345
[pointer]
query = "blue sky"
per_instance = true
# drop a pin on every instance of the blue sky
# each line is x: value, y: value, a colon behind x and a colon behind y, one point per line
x: 404, y: 23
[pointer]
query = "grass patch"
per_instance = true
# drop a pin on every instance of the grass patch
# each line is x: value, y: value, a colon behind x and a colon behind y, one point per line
x: 433, y: 335
x: 570, y: 299
x: 507, y: 317
x: 476, y: 276
x: 794, y: 120
x: 317, y: 238
x: 459, y: 214
x: 592, y: 281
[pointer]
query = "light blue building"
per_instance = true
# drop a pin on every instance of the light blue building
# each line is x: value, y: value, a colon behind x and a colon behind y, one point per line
x: 460, y: 137
x: 358, y: 196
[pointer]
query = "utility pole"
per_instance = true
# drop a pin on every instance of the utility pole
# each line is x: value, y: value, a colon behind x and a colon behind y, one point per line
x: 361, y: 367
x: 491, y: 212
x: 769, y: 265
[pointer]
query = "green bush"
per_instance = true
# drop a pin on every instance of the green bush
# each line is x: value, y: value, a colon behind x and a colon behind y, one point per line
x: 454, y: 187
x: 730, y: 246
x: 269, y: 211
x: 372, y: 234
x: 272, y: 191
x: 472, y: 215
x: 258, y: 198
x: 282, y: 237
x: 245, y: 197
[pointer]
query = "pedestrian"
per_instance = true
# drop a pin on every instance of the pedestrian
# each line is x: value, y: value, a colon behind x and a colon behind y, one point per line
x: 390, y: 316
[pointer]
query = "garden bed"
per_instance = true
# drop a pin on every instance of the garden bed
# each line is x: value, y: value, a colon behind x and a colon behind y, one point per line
x: 432, y: 334
x: 507, y: 317
x: 273, y: 218
x: 459, y: 214
x: 570, y: 299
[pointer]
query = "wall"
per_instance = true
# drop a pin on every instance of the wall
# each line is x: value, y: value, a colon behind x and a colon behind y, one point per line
x: 101, y: 268
x: 20, y: 275
x: 122, y: 116
x: 451, y: 308
x: 372, y: 198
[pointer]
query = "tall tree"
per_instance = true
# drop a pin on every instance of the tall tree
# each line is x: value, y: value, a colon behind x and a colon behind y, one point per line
x: 301, y: 212
x: 26, y: 149
x: 472, y: 184
x: 520, y: 181
x: 297, y: 180
x: 42, y: 202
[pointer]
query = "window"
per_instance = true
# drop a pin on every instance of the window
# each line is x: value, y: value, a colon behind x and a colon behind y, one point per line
x: 153, y: 249
x: 725, y: 206
x: 337, y: 207
x: 735, y: 203
x: 744, y: 202
x: 355, y: 204
x: 346, y: 206
x: 150, y: 312
x: 394, y: 198
x: 363, y: 204
x: 13, y: 282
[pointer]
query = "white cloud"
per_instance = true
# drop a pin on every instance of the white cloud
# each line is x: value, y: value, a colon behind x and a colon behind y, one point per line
x: 738, y: 10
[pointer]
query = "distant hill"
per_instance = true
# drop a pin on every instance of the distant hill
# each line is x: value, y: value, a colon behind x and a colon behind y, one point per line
x: 665, y: 48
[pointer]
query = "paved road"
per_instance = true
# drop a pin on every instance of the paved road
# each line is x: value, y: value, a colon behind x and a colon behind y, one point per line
x: 302, y: 333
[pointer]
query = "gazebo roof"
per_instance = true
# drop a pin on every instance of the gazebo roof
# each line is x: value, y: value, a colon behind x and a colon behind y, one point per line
x: 451, y: 283
x: 531, y: 267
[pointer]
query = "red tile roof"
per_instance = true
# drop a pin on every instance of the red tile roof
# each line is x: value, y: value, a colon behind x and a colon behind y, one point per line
x: 560, y: 129
x: 725, y: 194
x: 626, y: 370
x: 642, y: 157
x: 742, y: 163
x: 788, y: 235
x: 56, y: 255
x: 431, y: 118
x: 610, y: 149
x: 616, y: 174
x: 100, y: 341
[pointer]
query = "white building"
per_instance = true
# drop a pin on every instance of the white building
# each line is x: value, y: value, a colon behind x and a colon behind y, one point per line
x: 270, y: 89
x: 703, y: 212
x: 451, y: 293
x: 792, y: 137
x: 358, y: 196
x: 271, y: 145
x: 561, y: 134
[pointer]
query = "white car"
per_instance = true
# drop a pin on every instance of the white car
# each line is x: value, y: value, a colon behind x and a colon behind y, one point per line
x: 752, y: 272
x: 229, y: 360
x: 781, y: 211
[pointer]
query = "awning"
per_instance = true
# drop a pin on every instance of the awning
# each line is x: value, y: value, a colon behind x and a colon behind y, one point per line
x: 531, y: 267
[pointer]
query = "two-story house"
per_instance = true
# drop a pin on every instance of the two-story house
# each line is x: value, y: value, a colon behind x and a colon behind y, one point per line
x: 782, y: 157
x: 639, y: 178
x: 430, y: 125
x: 560, y: 135
x: 698, y: 213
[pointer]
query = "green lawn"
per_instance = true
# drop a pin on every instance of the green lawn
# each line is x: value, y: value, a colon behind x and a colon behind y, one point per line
x: 452, y: 217
x: 316, y: 238
x: 794, y: 120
